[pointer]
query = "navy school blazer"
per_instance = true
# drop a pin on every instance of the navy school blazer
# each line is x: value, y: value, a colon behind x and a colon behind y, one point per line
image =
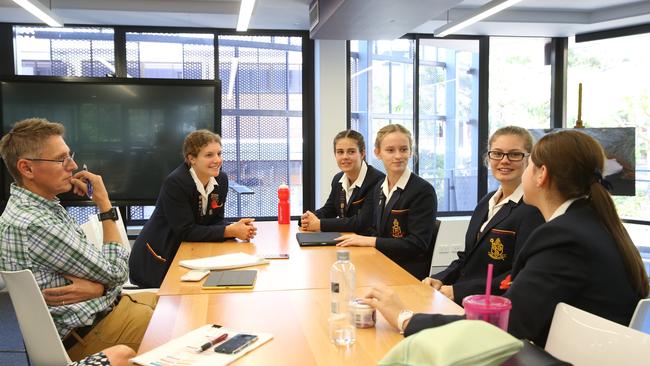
x: 404, y: 227
x: 330, y: 216
x: 499, y: 243
x: 571, y: 259
x: 176, y: 218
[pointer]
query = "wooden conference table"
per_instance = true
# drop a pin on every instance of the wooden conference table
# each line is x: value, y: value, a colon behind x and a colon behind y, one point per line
x: 290, y: 300
x: 306, y: 268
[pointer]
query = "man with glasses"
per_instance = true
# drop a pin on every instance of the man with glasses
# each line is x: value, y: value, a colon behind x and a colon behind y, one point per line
x: 82, y: 283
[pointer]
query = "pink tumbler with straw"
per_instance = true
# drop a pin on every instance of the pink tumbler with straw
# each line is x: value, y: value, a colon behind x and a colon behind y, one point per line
x: 490, y: 308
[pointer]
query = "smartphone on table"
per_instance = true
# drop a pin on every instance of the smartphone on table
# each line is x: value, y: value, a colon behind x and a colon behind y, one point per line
x: 236, y: 343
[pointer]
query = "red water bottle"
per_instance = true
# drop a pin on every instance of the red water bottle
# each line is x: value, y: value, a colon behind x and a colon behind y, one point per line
x: 284, y: 209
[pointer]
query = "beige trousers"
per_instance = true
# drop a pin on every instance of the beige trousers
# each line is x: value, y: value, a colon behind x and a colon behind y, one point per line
x: 126, y: 325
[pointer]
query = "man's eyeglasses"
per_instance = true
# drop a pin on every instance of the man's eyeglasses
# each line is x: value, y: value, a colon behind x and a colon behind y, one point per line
x: 65, y: 162
x: 512, y: 156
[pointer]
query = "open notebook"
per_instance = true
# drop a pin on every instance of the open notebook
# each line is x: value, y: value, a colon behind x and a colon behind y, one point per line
x: 225, y: 261
x: 181, y: 351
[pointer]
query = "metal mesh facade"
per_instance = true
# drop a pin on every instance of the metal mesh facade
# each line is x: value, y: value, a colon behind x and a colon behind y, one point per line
x: 170, y: 55
x: 48, y: 51
x: 82, y: 213
x: 261, y: 126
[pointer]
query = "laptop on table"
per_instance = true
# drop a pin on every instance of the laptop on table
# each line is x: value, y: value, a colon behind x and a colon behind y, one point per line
x: 317, y: 239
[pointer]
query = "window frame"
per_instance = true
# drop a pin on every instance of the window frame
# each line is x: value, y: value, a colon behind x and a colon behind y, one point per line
x: 483, y: 88
x: 7, y: 70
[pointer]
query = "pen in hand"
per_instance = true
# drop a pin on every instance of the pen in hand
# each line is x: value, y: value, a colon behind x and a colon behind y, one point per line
x: 211, y: 343
x: 89, y: 185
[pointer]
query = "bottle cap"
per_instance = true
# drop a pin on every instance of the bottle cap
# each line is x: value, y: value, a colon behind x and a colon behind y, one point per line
x: 343, y: 255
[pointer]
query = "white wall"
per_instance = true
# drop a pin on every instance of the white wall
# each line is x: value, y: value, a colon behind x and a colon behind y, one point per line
x: 330, y: 109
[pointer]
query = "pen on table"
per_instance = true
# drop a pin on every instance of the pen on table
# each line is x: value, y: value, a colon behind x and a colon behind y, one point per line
x: 211, y: 343
x: 88, y: 184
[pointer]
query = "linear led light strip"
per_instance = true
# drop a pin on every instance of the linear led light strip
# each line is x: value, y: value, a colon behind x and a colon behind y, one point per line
x: 245, y: 13
x: 40, y: 11
x: 481, y: 13
x: 233, y: 75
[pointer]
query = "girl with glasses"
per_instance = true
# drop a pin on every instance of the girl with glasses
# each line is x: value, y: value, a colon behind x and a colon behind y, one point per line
x: 350, y: 189
x: 500, y: 224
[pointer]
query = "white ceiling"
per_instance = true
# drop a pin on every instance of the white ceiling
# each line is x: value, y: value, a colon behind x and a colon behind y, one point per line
x: 527, y: 18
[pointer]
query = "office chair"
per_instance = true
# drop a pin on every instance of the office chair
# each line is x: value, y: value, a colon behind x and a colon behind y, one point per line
x: 450, y: 239
x: 95, y: 234
x: 585, y: 339
x: 641, y: 318
x: 44, y: 347
x: 434, y: 239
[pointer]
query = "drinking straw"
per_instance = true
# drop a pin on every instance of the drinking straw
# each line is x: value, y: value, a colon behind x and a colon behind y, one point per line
x: 488, y: 283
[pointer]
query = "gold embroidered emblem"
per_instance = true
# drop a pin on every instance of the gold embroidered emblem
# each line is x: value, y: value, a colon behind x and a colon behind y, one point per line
x: 496, y: 251
x: 397, y: 230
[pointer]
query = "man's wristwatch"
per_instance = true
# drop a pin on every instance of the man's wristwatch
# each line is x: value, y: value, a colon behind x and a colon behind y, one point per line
x: 403, y: 316
x: 108, y: 215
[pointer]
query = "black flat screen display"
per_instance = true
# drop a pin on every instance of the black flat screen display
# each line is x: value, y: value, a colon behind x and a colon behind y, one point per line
x: 131, y: 133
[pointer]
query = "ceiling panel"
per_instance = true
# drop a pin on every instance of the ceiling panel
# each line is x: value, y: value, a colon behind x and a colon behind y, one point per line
x: 527, y: 18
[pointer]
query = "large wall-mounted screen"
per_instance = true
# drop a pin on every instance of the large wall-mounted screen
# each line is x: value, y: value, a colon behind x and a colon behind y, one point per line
x: 130, y: 132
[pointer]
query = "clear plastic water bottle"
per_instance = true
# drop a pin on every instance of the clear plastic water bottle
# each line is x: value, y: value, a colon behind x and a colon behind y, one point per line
x: 342, y: 293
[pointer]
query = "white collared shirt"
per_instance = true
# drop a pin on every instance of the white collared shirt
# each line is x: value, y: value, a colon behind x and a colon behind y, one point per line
x: 561, y: 210
x: 203, y: 191
x: 494, y: 207
x: 345, y: 182
x: 401, y: 183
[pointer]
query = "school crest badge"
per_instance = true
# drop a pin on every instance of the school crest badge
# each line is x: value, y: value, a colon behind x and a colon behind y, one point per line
x: 397, y: 230
x: 496, y: 250
x: 214, y: 201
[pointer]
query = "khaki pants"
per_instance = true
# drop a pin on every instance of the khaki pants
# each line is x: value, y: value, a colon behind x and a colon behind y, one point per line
x: 126, y: 325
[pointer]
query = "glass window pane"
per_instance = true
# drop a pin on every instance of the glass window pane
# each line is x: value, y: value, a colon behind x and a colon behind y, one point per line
x: 520, y: 83
x: 381, y: 88
x: 170, y: 55
x: 64, y: 51
x: 615, y: 93
x: 448, y: 99
x: 381, y: 92
x: 640, y: 235
x: 520, y: 86
x: 140, y: 212
x: 262, y: 120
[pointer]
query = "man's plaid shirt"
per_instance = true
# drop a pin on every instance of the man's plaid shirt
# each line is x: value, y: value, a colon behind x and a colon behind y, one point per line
x: 39, y: 234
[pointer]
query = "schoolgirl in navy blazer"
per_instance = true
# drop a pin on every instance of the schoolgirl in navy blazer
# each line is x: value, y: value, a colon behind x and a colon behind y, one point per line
x: 351, y: 190
x: 339, y: 215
